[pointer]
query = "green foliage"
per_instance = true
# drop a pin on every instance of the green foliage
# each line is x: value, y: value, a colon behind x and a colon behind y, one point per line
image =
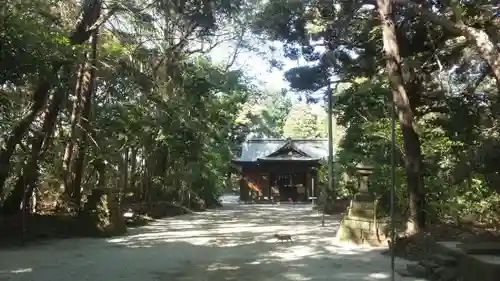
x: 166, y: 120
x: 301, y: 122
x: 188, y: 138
x: 29, y: 43
x: 163, y: 122
x: 453, y: 100
x: 265, y: 115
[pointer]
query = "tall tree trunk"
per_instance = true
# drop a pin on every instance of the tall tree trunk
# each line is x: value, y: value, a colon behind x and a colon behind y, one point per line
x: 89, y: 17
x: 125, y: 171
x: 146, y: 180
x: 413, y: 153
x: 133, y: 173
x: 27, y: 181
x: 84, y: 121
x: 486, y: 48
x: 227, y: 182
x: 100, y: 168
x: 75, y: 116
x: 122, y: 176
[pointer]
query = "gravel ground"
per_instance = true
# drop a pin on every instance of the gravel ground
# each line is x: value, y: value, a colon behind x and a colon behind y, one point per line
x: 233, y: 243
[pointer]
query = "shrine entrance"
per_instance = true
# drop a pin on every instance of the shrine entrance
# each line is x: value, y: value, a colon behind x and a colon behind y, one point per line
x: 286, y: 188
x: 291, y: 186
x: 281, y: 172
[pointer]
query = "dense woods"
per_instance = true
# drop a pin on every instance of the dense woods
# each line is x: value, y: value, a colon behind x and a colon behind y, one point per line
x: 117, y: 98
x: 436, y: 61
x: 119, y: 104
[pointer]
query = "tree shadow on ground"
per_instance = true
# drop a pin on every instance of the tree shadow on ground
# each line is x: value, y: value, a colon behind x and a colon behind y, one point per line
x: 219, y: 245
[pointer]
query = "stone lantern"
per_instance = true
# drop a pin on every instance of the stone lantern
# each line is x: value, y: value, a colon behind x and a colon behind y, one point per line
x: 364, y: 170
x: 360, y: 224
x: 362, y: 205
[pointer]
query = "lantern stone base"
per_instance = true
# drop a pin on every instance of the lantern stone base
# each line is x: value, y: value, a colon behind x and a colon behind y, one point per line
x: 359, y: 226
x: 359, y: 230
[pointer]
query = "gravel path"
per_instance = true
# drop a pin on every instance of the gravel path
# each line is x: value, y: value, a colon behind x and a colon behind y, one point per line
x: 233, y: 243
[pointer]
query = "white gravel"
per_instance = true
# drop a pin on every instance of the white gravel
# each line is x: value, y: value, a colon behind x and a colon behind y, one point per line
x: 233, y: 243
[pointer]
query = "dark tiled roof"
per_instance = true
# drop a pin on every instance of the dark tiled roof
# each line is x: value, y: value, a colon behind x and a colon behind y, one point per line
x: 255, y: 149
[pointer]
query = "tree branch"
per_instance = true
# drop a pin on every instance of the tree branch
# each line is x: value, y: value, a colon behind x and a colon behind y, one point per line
x: 477, y: 37
x: 103, y: 18
x: 449, y: 25
x: 471, y: 87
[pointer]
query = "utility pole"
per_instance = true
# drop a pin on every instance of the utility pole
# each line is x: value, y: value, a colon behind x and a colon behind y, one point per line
x: 330, y: 150
x: 393, y: 187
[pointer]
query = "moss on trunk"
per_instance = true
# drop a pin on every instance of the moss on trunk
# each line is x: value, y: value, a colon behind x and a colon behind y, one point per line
x: 101, y: 216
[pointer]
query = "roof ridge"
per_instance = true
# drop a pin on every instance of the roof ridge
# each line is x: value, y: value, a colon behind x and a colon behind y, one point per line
x: 286, y: 139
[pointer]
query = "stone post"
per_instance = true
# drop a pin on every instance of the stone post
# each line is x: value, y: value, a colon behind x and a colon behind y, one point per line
x: 360, y: 225
x: 363, y: 203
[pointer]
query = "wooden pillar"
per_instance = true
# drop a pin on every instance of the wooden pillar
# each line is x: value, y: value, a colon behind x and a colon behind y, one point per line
x: 272, y: 182
x: 265, y: 183
x: 314, y: 182
x: 244, y: 190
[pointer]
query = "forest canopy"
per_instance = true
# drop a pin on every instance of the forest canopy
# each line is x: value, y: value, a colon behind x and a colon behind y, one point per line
x: 124, y: 96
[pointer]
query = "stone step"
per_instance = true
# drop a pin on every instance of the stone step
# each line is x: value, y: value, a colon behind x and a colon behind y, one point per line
x: 404, y: 272
x: 444, y: 260
x: 445, y: 274
x: 472, y: 267
x: 481, y: 248
x: 431, y: 265
x: 417, y: 270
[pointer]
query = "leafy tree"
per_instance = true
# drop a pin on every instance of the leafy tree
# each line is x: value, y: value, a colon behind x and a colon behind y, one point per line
x: 265, y: 115
x: 432, y: 75
x: 120, y: 98
x: 301, y: 122
x: 136, y: 113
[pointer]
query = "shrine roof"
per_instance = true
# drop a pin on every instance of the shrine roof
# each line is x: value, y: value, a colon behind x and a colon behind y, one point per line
x: 265, y: 149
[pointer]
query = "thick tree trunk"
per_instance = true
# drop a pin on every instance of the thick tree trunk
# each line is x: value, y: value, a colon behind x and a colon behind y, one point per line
x: 100, y: 168
x: 84, y: 121
x: 133, y: 173
x: 27, y: 181
x: 146, y: 180
x: 12, y: 205
x: 126, y: 174
x: 486, y: 48
x: 122, y: 176
x: 75, y: 116
x: 125, y: 171
x: 227, y: 182
x: 413, y: 153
